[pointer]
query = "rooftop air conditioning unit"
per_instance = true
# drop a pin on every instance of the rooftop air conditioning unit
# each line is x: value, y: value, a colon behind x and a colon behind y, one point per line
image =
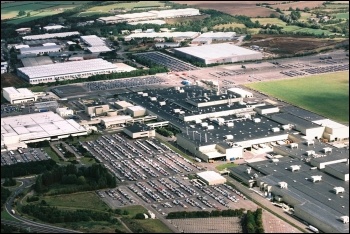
x: 316, y: 178
x: 275, y: 129
x: 310, y: 143
x: 310, y: 152
x: 295, y: 167
x: 338, y: 190
x: 327, y: 149
x: 293, y: 145
x: 345, y: 219
x: 283, y: 184
x: 249, y: 170
x: 257, y: 120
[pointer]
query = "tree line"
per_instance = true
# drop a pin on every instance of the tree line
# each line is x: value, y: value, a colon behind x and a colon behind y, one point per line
x: 206, y: 214
x: 252, y: 222
x: 28, y: 168
x: 52, y: 214
x: 85, y: 178
x: 5, y: 193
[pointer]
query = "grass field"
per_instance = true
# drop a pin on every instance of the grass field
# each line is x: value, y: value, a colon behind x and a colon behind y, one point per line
x: 133, y: 210
x: 126, y: 6
x: 7, y: 216
x: 326, y: 94
x: 94, y: 227
x: 275, y: 21
x: 226, y: 165
x: 37, y: 9
x: 84, y: 200
x: 147, y: 225
x: 233, y: 25
x: 342, y: 15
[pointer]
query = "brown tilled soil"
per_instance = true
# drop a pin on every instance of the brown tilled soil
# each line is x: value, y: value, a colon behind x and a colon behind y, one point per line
x: 289, y: 45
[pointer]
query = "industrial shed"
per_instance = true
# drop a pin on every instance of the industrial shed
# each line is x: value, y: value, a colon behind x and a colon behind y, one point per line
x: 136, y: 111
x: 211, y: 177
x: 218, y: 53
x: 139, y: 131
x: 20, y: 95
x: 123, y: 105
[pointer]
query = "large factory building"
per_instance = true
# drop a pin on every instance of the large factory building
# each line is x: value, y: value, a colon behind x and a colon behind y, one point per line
x: 218, y: 53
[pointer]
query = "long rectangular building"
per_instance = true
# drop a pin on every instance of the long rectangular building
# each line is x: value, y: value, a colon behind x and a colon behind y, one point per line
x: 50, y: 35
x: 182, y: 35
x: 16, y: 130
x: 40, y: 49
x: 218, y: 53
x: 68, y: 70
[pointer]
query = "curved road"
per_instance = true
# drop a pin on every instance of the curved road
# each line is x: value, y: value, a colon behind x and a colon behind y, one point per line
x: 26, y: 223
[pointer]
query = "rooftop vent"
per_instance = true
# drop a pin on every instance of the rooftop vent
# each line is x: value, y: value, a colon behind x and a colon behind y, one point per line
x: 283, y: 184
x: 316, y: 178
x: 295, y: 167
x: 338, y: 190
x: 310, y: 143
x: 327, y: 149
x: 293, y: 145
x: 257, y: 120
x: 345, y: 219
x: 310, y: 152
x: 249, y: 170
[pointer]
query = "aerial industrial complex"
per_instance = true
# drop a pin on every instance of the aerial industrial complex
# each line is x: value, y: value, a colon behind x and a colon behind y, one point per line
x: 177, y: 133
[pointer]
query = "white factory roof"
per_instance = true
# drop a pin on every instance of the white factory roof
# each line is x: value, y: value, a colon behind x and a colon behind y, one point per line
x: 53, y: 27
x: 136, y: 15
x: 67, y: 68
x: 214, y: 51
x: 50, y: 35
x: 14, y: 91
x: 49, y: 44
x: 117, y: 118
x: 330, y: 123
x: 159, y: 22
x: 122, y: 67
x: 98, y: 49
x: 93, y: 40
x: 164, y: 34
x: 136, y: 108
x: 240, y: 91
x: 38, y: 125
x: 217, y: 34
x: 38, y: 49
x: 21, y: 46
x: 210, y: 176
x: 173, y: 11
x: 71, y: 43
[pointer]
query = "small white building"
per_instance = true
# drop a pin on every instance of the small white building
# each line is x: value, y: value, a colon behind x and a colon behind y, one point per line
x: 64, y: 111
x: 211, y: 177
x: 53, y: 27
x: 20, y: 95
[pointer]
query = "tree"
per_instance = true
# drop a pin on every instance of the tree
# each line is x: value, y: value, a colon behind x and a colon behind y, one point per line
x: 21, y: 13
x: 28, y: 14
x: 139, y: 216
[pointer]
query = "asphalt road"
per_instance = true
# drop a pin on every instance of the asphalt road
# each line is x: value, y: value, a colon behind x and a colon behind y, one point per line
x: 26, y: 223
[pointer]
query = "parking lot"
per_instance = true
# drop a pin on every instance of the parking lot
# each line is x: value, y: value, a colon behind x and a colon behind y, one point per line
x: 23, y: 155
x: 152, y: 173
x: 171, y: 63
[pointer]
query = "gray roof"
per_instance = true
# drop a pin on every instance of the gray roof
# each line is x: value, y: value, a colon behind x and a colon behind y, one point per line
x: 292, y: 119
x: 305, y: 114
x: 138, y: 128
x: 340, y: 167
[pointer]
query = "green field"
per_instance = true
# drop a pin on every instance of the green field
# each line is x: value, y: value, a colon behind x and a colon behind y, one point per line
x: 83, y: 200
x: 37, y: 9
x: 146, y: 225
x: 275, y: 21
x: 7, y: 216
x: 226, y: 165
x: 133, y: 210
x: 342, y: 15
x: 126, y: 6
x: 233, y: 25
x: 326, y: 94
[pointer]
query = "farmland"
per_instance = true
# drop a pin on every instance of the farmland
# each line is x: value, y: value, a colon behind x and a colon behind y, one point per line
x: 328, y: 90
x: 247, y: 8
x: 289, y: 45
x: 299, y: 4
x: 127, y: 6
x: 36, y: 9
x: 264, y: 21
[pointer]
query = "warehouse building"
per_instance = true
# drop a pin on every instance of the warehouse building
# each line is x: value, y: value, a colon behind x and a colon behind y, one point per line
x: 267, y: 109
x: 139, y: 130
x: 39, y: 50
x: 175, y: 35
x: 309, y: 129
x: 136, y: 111
x: 122, y: 105
x: 243, y: 93
x: 321, y: 199
x: 23, y: 31
x: 218, y: 53
x: 95, y: 108
x: 150, y: 15
x: 158, y: 22
x: 64, y: 111
x: 115, y: 121
x: 211, y: 177
x: 64, y: 71
x: 98, y: 49
x: 333, y: 131
x: 51, y: 35
x: 53, y: 27
x: 20, y: 95
x: 18, y: 130
x: 93, y: 40
x: 209, y: 37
